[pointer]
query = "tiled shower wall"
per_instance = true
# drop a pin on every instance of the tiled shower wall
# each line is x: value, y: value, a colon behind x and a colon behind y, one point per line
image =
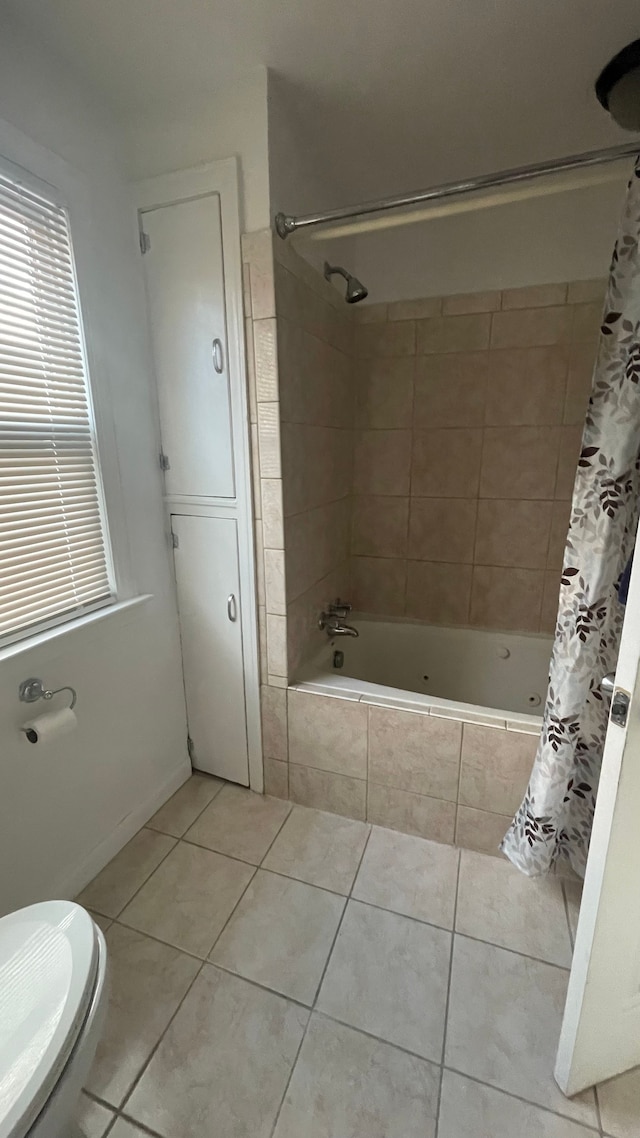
x: 468, y: 425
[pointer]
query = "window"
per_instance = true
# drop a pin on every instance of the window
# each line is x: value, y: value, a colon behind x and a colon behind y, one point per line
x: 54, y: 558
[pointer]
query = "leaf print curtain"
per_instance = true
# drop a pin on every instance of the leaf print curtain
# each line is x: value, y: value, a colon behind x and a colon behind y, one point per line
x: 554, y: 820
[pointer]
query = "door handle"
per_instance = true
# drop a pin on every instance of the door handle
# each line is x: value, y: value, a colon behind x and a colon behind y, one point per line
x: 232, y: 608
x: 218, y: 358
x: 608, y: 683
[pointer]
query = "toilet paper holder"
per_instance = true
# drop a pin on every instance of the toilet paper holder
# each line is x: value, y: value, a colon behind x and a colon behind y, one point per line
x: 33, y: 689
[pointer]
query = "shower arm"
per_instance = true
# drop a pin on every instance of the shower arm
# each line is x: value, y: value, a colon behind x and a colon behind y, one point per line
x: 287, y: 224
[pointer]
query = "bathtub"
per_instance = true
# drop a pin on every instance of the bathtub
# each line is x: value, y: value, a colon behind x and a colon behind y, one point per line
x: 497, y: 678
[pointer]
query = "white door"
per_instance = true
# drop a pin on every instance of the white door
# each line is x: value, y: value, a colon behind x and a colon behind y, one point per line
x: 207, y: 579
x: 601, y: 1029
x: 185, y: 288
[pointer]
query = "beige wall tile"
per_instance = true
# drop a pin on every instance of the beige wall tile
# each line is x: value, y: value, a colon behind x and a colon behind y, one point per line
x: 378, y: 585
x: 431, y: 818
x: 274, y: 580
x: 246, y: 291
x: 512, y: 532
x: 450, y: 390
x: 326, y: 791
x: 266, y: 360
x: 259, y: 556
x: 304, y: 638
x: 570, y: 443
x: 587, y: 321
x: 470, y: 302
x: 519, y: 462
x: 251, y: 371
x: 382, y: 462
x: 273, y: 702
x: 560, y: 519
x: 531, y: 327
x: 263, y: 300
x: 438, y: 592
x: 272, y: 516
x: 255, y: 471
x: 550, y: 598
x: 277, y: 644
x: 398, y: 339
x: 370, y: 313
x: 269, y: 440
x: 414, y: 309
x: 446, y: 463
x: 506, y: 598
x: 316, y: 465
x: 276, y: 681
x: 442, y: 529
x: 276, y: 778
x: 414, y: 752
x: 534, y: 296
x: 328, y: 733
x: 262, y: 639
x: 385, y: 392
x: 526, y: 386
x: 586, y: 292
x: 316, y: 542
x: 496, y: 766
x: 454, y: 333
x: 481, y: 830
x: 579, y: 382
x: 379, y: 526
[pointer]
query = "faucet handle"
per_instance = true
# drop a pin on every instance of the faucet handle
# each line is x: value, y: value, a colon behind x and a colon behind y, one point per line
x: 340, y: 608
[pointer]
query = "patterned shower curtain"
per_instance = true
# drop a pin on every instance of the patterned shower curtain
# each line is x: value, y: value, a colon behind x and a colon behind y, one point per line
x: 554, y: 820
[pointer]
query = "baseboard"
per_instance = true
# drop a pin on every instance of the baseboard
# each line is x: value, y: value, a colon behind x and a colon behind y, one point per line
x: 70, y: 883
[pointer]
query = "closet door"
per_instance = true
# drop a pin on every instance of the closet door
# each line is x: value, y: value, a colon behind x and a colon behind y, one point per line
x: 206, y: 561
x: 185, y: 289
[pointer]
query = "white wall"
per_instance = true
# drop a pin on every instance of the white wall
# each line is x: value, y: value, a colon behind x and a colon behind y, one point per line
x: 66, y: 808
x: 234, y: 122
x: 567, y: 236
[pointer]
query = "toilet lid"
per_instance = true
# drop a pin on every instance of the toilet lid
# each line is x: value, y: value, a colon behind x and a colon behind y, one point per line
x: 48, y: 966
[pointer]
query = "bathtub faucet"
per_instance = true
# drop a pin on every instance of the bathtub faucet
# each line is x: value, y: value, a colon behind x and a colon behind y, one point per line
x: 333, y: 620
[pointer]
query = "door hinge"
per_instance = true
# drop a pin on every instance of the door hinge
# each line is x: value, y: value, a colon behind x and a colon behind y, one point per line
x: 145, y: 242
x: 175, y: 540
x: 164, y: 461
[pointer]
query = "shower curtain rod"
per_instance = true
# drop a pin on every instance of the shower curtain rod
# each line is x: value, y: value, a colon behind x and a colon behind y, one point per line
x: 287, y: 224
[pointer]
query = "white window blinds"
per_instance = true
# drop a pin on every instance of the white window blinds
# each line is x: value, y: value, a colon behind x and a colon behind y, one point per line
x: 53, y: 551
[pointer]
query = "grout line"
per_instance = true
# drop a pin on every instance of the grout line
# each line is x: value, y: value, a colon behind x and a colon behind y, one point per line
x: 378, y: 1038
x: 598, y: 1111
x: 448, y: 996
x: 257, y: 984
x: 180, y: 837
x: 147, y: 878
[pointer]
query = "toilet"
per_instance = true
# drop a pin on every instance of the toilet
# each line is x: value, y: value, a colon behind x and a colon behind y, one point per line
x: 53, y: 994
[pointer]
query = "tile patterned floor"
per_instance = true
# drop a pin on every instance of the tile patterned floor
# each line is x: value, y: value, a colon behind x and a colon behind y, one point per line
x: 278, y: 972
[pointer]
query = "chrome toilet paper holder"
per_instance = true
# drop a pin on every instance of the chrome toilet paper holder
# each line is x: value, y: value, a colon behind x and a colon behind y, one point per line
x: 33, y: 689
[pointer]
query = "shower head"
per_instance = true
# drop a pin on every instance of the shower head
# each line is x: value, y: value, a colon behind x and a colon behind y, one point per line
x: 618, y: 87
x: 355, y: 288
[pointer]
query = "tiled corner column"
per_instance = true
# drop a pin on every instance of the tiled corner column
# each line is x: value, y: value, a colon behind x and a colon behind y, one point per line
x: 264, y: 414
x: 419, y: 773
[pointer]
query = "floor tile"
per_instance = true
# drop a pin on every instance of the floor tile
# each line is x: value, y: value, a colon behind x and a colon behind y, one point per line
x: 573, y: 893
x: 116, y: 884
x: 147, y: 982
x: 347, y: 1085
x: 92, y: 1117
x: 281, y: 935
x: 620, y: 1105
x: 319, y: 848
x: 388, y: 975
x: 499, y: 904
x: 239, y: 823
x: 125, y: 1129
x: 185, y: 805
x: 102, y: 922
x: 222, y: 1068
x: 409, y: 875
x: 505, y: 1012
x: 189, y: 898
x: 472, y: 1110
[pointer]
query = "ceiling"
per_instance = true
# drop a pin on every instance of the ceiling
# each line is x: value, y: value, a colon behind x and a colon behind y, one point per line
x: 392, y: 94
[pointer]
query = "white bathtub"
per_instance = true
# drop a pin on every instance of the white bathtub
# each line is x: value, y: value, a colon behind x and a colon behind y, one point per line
x: 497, y: 678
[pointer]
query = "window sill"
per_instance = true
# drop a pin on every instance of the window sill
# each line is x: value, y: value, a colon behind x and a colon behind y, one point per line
x: 40, y: 639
